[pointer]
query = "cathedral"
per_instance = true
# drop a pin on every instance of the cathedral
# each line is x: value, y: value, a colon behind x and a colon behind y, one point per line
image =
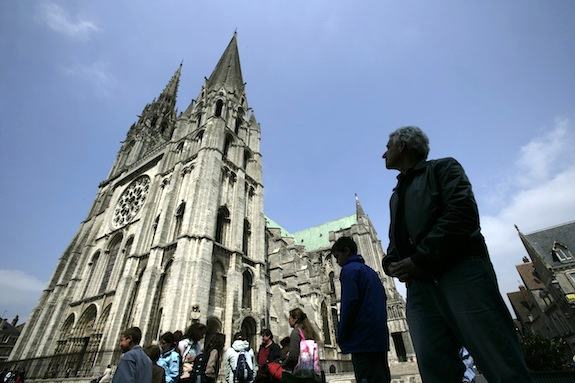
x: 177, y: 234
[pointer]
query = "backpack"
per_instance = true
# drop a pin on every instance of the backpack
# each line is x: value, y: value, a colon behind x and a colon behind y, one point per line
x: 243, y: 372
x: 308, y: 361
x: 199, y: 368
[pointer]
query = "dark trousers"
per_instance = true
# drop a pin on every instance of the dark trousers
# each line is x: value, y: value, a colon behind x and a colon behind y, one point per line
x: 371, y: 367
x: 464, y: 308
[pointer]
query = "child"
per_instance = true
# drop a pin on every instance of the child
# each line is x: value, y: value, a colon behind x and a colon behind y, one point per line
x: 158, y: 373
x: 170, y: 359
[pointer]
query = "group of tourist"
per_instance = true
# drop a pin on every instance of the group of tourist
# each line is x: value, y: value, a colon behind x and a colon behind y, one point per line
x: 9, y: 376
x: 198, y: 357
x: 454, y: 307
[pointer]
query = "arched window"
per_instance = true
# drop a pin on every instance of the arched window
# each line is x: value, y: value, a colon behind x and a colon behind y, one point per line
x: 219, y: 108
x: 247, y: 290
x: 222, y: 224
x: 247, y: 156
x: 227, y: 144
x: 239, y: 118
x: 200, y: 137
x: 332, y: 284
x: 334, y: 317
x: 157, y: 304
x: 155, y: 228
x: 179, y: 218
x: 91, y: 268
x: 246, y: 237
x: 199, y: 119
x: 217, y: 296
x: 112, y: 255
x: 325, y: 324
x: 180, y: 147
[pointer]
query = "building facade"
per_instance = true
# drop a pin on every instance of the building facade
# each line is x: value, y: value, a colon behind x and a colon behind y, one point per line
x: 9, y: 333
x: 545, y: 304
x: 177, y: 234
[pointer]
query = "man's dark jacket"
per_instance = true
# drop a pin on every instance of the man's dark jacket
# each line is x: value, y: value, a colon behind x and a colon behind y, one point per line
x: 440, y: 218
x: 363, y: 314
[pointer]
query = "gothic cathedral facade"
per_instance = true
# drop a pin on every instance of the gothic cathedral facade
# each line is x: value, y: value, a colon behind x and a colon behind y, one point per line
x: 177, y: 234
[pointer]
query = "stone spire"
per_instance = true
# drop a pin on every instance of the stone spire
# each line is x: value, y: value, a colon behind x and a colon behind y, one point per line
x: 358, y: 208
x: 170, y: 92
x: 228, y: 72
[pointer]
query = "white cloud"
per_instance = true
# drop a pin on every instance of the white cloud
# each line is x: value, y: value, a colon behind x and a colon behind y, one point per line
x: 59, y: 20
x: 19, y: 293
x: 539, y: 195
x: 540, y: 159
x: 96, y: 73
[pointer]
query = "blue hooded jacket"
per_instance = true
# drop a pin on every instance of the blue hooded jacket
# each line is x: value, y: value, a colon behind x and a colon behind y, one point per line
x: 363, y: 315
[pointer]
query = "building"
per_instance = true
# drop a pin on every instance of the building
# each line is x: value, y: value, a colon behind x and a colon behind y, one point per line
x: 9, y: 333
x: 177, y: 234
x: 545, y: 305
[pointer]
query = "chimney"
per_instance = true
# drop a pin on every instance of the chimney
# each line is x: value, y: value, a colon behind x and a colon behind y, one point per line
x: 15, y: 320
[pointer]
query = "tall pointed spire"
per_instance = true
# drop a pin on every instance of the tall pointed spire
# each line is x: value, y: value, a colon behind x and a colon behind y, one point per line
x: 358, y: 208
x: 171, y: 90
x: 228, y: 71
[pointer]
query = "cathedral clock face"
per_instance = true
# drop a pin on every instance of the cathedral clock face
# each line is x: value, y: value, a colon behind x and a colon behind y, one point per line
x: 131, y: 201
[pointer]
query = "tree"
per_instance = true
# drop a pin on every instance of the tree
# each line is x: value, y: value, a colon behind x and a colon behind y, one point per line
x: 542, y: 354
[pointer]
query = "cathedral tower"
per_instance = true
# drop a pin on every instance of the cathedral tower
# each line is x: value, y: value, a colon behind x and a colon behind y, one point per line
x: 175, y: 235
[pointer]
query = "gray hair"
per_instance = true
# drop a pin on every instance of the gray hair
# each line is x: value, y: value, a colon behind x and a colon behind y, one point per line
x: 413, y: 139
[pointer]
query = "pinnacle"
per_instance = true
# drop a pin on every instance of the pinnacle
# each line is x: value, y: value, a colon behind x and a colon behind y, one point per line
x: 228, y: 71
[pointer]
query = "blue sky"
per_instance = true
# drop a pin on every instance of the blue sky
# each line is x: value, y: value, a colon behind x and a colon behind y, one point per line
x: 491, y: 82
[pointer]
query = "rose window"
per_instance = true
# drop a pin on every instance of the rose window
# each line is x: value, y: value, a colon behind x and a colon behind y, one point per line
x: 131, y: 201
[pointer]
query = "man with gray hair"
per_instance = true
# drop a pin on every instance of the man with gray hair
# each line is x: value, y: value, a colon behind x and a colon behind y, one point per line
x: 437, y: 249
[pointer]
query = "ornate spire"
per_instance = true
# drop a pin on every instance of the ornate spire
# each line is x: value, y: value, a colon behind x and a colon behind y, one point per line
x: 170, y: 92
x: 358, y: 208
x: 228, y: 71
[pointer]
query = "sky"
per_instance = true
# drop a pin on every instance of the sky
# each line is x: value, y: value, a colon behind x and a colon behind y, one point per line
x: 492, y: 83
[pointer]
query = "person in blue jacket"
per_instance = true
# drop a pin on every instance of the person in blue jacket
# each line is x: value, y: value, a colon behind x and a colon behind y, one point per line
x: 134, y: 366
x: 362, y: 330
x: 169, y: 359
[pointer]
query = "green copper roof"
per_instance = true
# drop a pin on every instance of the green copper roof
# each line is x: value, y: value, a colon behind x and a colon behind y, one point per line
x: 270, y: 223
x: 317, y: 237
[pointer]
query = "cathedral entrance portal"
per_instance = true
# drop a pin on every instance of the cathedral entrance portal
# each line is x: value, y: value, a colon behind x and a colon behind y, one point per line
x: 249, y: 331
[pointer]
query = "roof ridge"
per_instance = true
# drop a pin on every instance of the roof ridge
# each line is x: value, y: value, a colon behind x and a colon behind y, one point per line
x: 325, y: 223
x: 551, y: 227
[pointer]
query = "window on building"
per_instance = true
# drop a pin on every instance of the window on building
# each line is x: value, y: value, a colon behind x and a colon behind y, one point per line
x: 217, y: 296
x: 325, y: 324
x: 113, y: 251
x: 227, y: 144
x: 219, y: 108
x: 180, y: 147
x: 155, y: 228
x: 247, y: 156
x: 239, y: 118
x: 246, y: 237
x: 199, y: 119
x: 247, y: 290
x: 223, y: 221
x: 200, y: 137
x: 91, y: 268
x: 562, y: 252
x: 400, y: 350
x: 179, y: 219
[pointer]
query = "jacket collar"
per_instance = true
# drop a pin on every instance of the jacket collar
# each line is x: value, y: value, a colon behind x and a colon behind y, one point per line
x: 411, y: 172
x: 354, y: 259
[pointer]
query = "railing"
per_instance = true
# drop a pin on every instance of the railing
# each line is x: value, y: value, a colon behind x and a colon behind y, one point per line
x: 71, y: 365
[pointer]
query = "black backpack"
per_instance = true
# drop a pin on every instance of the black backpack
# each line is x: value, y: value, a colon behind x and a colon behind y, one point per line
x: 199, y: 368
x: 243, y: 372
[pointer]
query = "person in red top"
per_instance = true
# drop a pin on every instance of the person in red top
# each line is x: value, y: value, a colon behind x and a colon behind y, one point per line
x: 269, y: 351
